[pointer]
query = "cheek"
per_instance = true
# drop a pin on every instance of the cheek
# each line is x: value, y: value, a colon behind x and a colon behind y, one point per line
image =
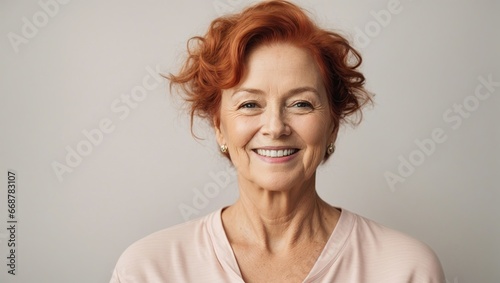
x: 240, y: 130
x: 313, y: 131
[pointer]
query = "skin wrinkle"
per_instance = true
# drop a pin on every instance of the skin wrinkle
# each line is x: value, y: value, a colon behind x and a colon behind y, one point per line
x: 284, y: 224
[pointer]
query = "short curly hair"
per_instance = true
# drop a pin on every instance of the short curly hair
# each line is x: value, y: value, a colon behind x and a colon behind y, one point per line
x: 216, y: 61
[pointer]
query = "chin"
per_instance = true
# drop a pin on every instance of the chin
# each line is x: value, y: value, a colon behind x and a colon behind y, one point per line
x: 282, y: 182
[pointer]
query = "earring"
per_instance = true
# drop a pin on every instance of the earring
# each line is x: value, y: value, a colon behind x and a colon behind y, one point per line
x: 330, y: 149
x: 223, y: 148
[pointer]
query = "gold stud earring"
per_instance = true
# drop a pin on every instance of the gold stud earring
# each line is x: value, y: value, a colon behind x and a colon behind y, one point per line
x: 223, y: 148
x: 330, y: 149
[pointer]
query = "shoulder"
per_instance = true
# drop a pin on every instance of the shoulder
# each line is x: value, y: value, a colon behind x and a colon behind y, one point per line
x: 396, y: 252
x: 160, y: 254
x: 167, y: 238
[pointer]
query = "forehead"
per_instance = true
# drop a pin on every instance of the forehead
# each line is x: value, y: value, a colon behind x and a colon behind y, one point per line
x: 279, y: 64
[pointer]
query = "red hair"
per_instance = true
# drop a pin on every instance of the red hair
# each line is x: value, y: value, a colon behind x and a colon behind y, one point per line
x: 216, y: 61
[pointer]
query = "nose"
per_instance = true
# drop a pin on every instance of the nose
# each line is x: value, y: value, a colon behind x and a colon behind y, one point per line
x: 275, y: 123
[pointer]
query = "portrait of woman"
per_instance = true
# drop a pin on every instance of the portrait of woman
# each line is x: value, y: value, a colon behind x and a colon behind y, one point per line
x: 276, y: 87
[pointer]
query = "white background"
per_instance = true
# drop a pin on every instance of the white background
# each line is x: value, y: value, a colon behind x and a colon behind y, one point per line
x: 67, y: 74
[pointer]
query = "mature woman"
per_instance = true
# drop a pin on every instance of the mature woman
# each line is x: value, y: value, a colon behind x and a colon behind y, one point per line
x: 276, y: 88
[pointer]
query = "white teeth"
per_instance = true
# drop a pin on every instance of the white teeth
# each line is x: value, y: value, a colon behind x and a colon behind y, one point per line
x: 275, y: 153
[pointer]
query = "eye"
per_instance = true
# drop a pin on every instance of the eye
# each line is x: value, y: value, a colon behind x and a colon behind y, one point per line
x: 302, y: 104
x: 248, y: 105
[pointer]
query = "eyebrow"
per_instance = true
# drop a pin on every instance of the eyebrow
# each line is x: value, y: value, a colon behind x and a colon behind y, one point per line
x: 290, y: 92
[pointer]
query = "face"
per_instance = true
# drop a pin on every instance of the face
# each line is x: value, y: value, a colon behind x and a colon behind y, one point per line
x: 276, y: 122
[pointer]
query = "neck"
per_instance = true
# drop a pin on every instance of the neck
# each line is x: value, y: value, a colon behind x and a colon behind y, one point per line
x: 277, y: 221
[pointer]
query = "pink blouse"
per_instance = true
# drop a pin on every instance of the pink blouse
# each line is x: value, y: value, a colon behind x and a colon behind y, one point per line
x: 358, y: 250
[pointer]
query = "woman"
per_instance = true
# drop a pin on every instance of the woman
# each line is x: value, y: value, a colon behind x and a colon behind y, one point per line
x: 276, y: 88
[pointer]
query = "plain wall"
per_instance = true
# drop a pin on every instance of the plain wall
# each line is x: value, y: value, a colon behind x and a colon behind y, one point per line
x: 74, y: 68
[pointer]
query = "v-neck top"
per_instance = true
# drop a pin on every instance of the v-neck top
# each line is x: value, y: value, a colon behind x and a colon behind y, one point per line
x: 358, y: 250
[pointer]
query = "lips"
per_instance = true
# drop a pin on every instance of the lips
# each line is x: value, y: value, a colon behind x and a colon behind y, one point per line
x: 275, y: 153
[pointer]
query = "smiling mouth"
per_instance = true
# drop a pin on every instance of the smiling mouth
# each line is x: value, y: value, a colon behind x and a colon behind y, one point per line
x: 276, y: 152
